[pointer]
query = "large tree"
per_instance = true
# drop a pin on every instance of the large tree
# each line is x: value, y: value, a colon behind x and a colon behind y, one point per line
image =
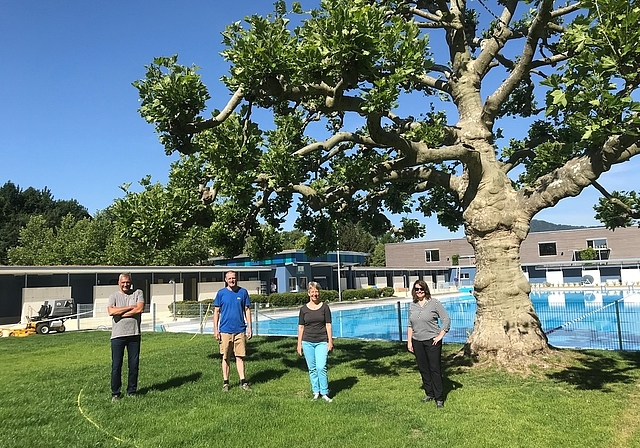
x: 357, y: 131
x: 17, y: 206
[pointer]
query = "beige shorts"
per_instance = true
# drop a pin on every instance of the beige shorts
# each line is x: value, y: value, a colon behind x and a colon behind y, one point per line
x: 235, y: 343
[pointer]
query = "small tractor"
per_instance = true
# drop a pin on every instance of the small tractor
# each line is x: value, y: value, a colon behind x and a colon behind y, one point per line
x: 51, y: 317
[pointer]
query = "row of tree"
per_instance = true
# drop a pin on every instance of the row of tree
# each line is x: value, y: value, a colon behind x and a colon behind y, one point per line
x: 17, y: 206
x: 37, y: 230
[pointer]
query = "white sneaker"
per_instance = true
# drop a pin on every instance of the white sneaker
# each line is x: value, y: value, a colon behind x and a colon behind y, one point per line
x: 326, y: 398
x: 316, y: 396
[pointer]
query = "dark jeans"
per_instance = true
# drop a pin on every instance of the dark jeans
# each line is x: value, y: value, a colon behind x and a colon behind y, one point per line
x: 428, y: 359
x: 132, y: 343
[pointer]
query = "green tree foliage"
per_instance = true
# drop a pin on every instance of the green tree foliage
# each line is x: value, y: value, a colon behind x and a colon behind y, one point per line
x: 372, y: 119
x: 293, y: 239
x: 73, y: 242
x: 353, y: 237
x: 163, y: 225
x: 588, y: 254
x: 17, y: 206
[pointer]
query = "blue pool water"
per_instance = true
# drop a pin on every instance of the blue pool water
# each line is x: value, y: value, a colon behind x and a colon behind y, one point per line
x: 577, y: 319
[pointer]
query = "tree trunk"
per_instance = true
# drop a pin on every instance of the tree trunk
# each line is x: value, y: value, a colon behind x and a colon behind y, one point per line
x: 506, y: 327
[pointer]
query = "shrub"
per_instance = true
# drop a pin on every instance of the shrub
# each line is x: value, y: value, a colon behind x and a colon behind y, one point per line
x: 328, y: 295
x: 191, y: 308
x: 387, y: 291
x: 288, y: 298
x: 259, y: 298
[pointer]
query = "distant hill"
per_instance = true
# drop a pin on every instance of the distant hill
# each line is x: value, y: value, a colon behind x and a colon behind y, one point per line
x: 538, y: 225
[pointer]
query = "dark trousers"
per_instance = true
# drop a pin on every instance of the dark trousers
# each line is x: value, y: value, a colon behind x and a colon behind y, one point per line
x: 428, y: 359
x: 132, y: 344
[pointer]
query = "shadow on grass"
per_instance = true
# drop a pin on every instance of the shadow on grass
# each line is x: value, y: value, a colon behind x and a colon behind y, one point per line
x: 597, y: 372
x: 171, y: 383
x: 449, y: 386
x: 267, y: 375
x: 373, y: 357
x: 338, y: 386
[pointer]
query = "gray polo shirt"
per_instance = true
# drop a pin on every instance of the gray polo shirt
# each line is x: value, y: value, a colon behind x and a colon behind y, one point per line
x: 126, y: 326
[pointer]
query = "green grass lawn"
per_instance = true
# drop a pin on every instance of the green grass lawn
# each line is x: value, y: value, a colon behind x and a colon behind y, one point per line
x: 54, y: 392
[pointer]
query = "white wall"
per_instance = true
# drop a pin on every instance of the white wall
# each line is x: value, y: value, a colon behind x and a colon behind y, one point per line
x: 555, y: 277
x: 361, y: 282
x: 595, y: 273
x: 101, y: 295
x: 398, y: 283
x: 33, y: 298
x: 162, y: 296
x: 629, y: 276
x: 208, y: 290
x: 252, y: 286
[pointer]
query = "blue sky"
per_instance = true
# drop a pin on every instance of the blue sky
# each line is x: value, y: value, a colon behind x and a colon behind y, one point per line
x: 68, y: 118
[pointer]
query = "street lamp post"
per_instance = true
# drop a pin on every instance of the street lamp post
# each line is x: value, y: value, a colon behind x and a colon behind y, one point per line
x: 338, y: 254
x: 174, y: 298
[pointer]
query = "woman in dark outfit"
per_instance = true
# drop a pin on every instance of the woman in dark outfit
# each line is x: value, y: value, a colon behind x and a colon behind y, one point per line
x: 315, y: 340
x: 424, y: 339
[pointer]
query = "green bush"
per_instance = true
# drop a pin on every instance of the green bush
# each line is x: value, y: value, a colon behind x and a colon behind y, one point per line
x: 387, y: 291
x: 191, y: 308
x: 259, y: 298
x: 288, y: 298
x: 284, y: 299
x: 293, y: 298
x: 367, y: 293
x: 328, y: 295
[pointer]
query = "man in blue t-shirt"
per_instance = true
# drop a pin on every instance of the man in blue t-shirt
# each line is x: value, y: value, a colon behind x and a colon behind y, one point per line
x: 232, y: 326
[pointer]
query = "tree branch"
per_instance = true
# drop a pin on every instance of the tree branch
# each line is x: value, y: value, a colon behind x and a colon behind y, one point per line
x: 536, y: 31
x: 333, y: 141
x: 578, y: 173
x: 218, y: 119
x: 630, y: 213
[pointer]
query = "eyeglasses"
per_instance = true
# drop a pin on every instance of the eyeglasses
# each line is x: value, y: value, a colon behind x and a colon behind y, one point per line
x: 418, y: 289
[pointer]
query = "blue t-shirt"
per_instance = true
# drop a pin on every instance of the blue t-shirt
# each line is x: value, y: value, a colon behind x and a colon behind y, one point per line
x: 232, y: 305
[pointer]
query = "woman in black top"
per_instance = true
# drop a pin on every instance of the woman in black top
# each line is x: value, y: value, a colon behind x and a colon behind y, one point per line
x: 315, y: 340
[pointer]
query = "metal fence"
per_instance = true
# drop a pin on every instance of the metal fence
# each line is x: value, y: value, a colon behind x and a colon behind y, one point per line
x: 611, y: 326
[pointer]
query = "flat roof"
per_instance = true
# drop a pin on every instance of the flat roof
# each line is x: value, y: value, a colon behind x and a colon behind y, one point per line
x: 49, y: 270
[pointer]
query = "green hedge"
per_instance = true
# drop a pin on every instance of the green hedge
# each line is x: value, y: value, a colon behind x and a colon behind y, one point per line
x: 283, y: 299
x: 367, y: 293
x: 191, y: 308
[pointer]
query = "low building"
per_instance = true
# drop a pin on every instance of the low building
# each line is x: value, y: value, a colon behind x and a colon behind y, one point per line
x: 554, y: 257
x: 23, y: 289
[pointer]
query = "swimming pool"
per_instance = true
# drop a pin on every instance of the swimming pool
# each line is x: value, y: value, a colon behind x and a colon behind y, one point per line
x: 572, y: 319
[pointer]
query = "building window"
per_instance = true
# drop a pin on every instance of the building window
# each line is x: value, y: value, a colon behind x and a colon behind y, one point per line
x: 302, y: 281
x: 432, y: 255
x: 545, y: 249
x: 600, y: 243
x: 293, y: 287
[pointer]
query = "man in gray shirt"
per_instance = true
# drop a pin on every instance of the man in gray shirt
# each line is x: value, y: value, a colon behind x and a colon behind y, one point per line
x: 126, y: 308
